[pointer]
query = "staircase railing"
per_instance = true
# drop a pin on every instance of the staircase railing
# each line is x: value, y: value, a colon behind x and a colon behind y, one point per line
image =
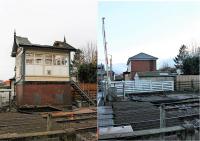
x: 82, y: 93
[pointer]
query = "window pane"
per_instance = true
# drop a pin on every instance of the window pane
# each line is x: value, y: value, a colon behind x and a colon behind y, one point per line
x: 29, y: 58
x: 57, y: 59
x: 48, y: 59
x: 38, y: 58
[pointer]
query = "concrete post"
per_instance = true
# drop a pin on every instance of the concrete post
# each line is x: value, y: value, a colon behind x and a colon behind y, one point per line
x: 49, y: 121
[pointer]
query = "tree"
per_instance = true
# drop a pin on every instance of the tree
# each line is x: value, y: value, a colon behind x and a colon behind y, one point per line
x: 87, y: 73
x: 166, y: 68
x: 85, y: 64
x: 187, y: 61
x: 191, y: 65
x: 183, y: 53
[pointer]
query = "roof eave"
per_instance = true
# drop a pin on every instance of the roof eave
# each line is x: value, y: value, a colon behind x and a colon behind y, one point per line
x: 47, y: 47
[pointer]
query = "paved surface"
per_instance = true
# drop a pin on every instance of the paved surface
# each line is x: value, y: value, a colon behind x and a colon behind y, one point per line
x: 105, y: 116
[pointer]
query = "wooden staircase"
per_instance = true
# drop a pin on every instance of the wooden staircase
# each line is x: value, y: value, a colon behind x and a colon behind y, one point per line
x: 82, y: 93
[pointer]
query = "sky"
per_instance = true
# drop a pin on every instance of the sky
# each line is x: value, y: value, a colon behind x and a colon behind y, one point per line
x: 43, y: 22
x: 156, y: 28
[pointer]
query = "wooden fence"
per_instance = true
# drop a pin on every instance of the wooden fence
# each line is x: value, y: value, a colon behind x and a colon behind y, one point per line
x: 187, y: 83
x: 90, y: 88
x: 142, y: 86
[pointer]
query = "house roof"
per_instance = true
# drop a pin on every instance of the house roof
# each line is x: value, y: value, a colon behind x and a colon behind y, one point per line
x: 155, y: 74
x: 142, y: 56
x: 25, y: 43
x: 22, y: 41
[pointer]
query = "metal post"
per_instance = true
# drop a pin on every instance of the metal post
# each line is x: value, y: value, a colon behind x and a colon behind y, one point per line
x: 49, y: 122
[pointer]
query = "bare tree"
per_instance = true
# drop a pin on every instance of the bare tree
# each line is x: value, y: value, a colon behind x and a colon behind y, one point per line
x: 90, y: 53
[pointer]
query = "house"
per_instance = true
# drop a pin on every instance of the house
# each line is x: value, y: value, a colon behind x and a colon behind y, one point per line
x: 141, y: 62
x: 42, y: 72
x: 155, y: 76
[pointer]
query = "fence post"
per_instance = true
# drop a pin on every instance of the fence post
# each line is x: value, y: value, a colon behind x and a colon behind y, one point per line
x: 162, y: 120
x: 151, y: 85
x: 9, y: 101
x: 173, y: 85
x: 189, y: 132
x: 105, y: 92
x: 49, y: 122
x: 0, y: 100
x: 192, y: 84
x: 123, y: 83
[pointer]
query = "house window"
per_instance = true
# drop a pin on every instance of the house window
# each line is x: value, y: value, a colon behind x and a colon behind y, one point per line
x: 63, y: 60
x: 57, y: 59
x: 48, y: 59
x: 66, y: 62
x: 38, y: 58
x: 29, y: 58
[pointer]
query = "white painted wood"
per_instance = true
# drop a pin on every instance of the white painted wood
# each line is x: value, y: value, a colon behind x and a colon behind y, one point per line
x: 141, y: 86
x: 34, y: 70
x: 56, y: 68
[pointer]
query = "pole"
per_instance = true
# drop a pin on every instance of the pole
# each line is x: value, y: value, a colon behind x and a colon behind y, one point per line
x: 162, y: 119
x: 106, y: 55
x: 105, y: 47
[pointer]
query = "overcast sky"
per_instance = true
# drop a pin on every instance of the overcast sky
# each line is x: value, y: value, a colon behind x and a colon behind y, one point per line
x: 43, y: 22
x: 156, y: 28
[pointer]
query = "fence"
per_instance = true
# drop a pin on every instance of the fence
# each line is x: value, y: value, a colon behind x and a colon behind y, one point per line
x: 5, y: 97
x: 142, y: 86
x: 90, y: 88
x: 187, y: 83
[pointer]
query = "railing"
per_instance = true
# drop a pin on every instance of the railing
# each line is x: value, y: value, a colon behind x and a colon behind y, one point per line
x: 141, y: 86
x: 75, y: 85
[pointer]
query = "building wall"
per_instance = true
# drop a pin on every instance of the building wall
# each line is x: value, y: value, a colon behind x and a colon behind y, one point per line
x: 44, y: 93
x: 142, y: 66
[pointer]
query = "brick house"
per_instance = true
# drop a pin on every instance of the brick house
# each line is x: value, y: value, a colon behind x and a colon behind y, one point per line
x: 42, y: 72
x: 141, y: 62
